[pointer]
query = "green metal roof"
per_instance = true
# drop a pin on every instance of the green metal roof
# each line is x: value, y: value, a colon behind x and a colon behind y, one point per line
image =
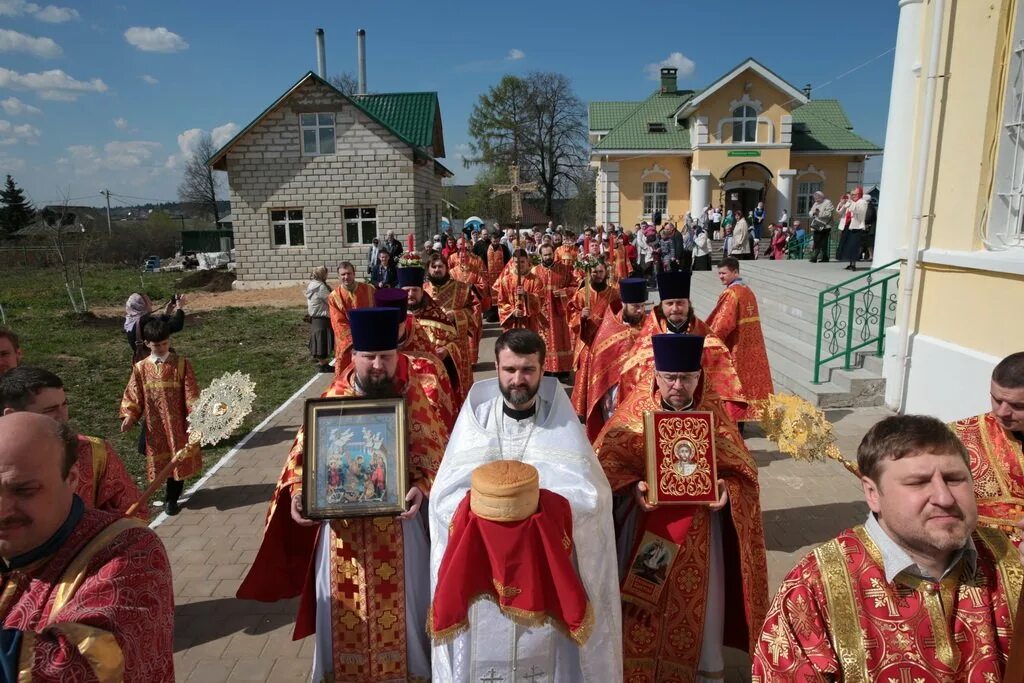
x: 632, y: 132
x: 410, y: 114
x: 607, y: 115
x: 826, y: 128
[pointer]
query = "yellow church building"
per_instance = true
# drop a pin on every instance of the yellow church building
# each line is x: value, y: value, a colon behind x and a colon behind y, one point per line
x: 748, y: 137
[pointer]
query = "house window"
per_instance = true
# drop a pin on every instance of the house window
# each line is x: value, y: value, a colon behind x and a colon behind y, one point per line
x: 1006, y: 215
x: 288, y: 227
x: 805, y: 197
x: 744, y: 125
x: 655, y: 198
x: 317, y: 133
x: 360, y: 224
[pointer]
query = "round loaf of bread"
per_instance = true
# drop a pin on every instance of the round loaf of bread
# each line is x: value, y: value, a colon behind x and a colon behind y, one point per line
x: 504, y: 491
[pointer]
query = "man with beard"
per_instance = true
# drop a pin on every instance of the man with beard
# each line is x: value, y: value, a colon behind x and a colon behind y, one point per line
x: 993, y: 441
x: 466, y: 266
x: 368, y: 624
x: 600, y: 361
x: 460, y: 302
x: 525, y: 417
x: 917, y: 592
x: 675, y: 315
x: 520, y: 296
x: 558, y: 283
x: 496, y: 256
x: 449, y: 347
x: 715, y: 585
x: 349, y: 294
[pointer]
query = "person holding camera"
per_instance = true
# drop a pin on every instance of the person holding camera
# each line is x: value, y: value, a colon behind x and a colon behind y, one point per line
x: 139, y: 310
x: 821, y: 215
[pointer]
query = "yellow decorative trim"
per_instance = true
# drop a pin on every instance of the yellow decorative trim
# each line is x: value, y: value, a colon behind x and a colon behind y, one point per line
x: 505, y: 591
x: 99, y: 648
x: 169, y: 384
x: 27, y: 656
x: 99, y: 466
x: 754, y: 319
x: 1008, y: 564
x: 843, y: 618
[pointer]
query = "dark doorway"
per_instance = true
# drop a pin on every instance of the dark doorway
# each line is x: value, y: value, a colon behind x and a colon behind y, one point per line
x: 743, y: 199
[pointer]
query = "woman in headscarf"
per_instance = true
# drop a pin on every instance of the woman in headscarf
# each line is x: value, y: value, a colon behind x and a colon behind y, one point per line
x: 138, y: 310
x: 321, y: 335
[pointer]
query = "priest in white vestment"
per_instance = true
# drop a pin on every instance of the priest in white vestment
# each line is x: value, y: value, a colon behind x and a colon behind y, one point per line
x: 525, y: 417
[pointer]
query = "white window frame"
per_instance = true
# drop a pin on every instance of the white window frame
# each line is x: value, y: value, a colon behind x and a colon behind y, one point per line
x: 742, y: 119
x: 1006, y: 210
x: 652, y: 194
x: 359, y: 220
x: 805, y: 193
x: 287, y: 223
x: 316, y: 129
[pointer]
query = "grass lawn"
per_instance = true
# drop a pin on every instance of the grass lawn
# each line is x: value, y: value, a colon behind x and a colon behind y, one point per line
x: 93, y: 359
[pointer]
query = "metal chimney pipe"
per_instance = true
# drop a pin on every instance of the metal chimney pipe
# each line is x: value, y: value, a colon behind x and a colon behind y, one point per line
x: 361, y: 60
x: 321, y: 54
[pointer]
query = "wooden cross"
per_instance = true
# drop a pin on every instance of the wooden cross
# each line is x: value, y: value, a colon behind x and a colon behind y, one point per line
x: 516, y: 189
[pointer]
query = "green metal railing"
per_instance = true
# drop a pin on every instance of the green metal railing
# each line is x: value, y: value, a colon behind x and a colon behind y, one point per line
x: 852, y: 316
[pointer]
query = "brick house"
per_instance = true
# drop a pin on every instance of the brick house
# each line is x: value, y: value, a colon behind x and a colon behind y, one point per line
x: 318, y: 174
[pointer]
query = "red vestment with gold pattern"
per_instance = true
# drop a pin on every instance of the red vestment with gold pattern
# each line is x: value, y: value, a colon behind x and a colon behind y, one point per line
x: 465, y: 266
x: 662, y: 642
x: 997, y: 467
x: 103, y: 481
x: 443, y: 334
x: 566, y: 253
x: 495, y: 266
x: 368, y: 616
x: 163, y: 394
x: 530, y: 305
x: 558, y: 285
x: 604, y: 358
x: 736, y: 321
x: 618, y: 265
x: 434, y: 375
x: 836, y: 618
x: 100, y: 608
x: 720, y: 374
x: 339, y: 303
x: 462, y: 300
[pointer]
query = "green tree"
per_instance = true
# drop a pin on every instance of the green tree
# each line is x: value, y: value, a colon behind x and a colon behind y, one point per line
x: 16, y: 212
x: 481, y: 201
x: 536, y: 122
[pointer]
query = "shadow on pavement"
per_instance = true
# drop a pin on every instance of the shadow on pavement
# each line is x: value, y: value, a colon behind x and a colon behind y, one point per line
x: 230, y: 497
x: 272, y: 436
x: 197, y: 623
x: 792, y: 529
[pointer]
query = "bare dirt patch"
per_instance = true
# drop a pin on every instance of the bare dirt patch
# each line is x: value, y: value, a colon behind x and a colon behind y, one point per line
x: 284, y: 297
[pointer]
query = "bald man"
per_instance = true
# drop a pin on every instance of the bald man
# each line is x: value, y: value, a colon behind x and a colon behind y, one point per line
x: 87, y: 594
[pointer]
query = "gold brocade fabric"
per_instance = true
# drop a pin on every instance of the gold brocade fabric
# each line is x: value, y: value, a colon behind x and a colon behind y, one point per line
x: 558, y: 285
x: 736, y: 321
x: 463, y: 301
x: 835, y: 617
x: 665, y: 646
x: 163, y: 393
x: 530, y: 304
x: 566, y: 254
x: 604, y: 360
x: 443, y: 334
x: 997, y: 467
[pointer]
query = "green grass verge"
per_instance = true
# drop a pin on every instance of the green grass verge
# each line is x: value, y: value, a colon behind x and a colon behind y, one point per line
x: 92, y: 357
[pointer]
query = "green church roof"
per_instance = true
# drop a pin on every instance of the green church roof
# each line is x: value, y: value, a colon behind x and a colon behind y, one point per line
x: 410, y: 114
x: 634, y: 130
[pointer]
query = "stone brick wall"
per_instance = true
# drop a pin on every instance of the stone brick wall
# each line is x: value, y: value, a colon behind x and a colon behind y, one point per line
x: 371, y: 167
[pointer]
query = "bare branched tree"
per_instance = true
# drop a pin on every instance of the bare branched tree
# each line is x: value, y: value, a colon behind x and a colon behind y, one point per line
x: 199, y: 187
x: 346, y: 82
x: 61, y: 227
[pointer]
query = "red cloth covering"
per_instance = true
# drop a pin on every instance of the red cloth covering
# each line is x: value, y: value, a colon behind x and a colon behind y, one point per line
x: 524, y: 567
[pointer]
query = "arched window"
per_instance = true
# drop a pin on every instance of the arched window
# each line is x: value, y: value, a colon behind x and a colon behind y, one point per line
x: 744, y: 125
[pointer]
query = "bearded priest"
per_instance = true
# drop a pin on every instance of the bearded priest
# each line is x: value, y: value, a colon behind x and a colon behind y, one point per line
x: 709, y: 586
x: 522, y: 416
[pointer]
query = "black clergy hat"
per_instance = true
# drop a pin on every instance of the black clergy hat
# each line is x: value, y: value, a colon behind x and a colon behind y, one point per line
x: 410, y: 277
x: 674, y: 284
x: 633, y: 290
x: 392, y: 297
x: 677, y: 352
x: 374, y: 329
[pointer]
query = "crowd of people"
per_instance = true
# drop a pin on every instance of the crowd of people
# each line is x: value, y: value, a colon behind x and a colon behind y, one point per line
x: 531, y: 544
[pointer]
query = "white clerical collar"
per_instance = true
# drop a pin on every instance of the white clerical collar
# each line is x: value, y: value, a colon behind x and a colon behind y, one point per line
x: 156, y: 360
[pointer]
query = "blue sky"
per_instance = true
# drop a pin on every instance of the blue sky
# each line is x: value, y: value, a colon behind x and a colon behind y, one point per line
x: 100, y: 94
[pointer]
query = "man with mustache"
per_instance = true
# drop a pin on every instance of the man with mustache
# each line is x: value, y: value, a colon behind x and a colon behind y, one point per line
x: 523, y: 416
x: 520, y: 296
x: 445, y: 341
x: 559, y: 285
x: 87, y: 594
x: 460, y: 301
x: 349, y: 294
x: 918, y: 592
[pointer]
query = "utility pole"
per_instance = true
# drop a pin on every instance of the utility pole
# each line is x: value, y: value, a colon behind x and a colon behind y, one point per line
x: 106, y: 193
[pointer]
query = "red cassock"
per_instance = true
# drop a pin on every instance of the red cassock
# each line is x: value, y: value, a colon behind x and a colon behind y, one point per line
x: 559, y: 286
x: 463, y: 301
x: 836, y: 618
x: 603, y: 361
x: 444, y: 334
x: 339, y: 303
x: 101, y: 608
x: 736, y: 321
x: 530, y: 305
x: 434, y: 375
x: 465, y: 266
x: 103, y: 481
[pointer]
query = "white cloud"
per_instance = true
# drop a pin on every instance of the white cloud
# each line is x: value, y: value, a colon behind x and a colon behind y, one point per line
x: 149, y: 80
x: 11, y: 164
x: 515, y: 54
x: 11, y: 133
x: 221, y: 134
x: 15, y: 107
x: 51, y: 14
x: 684, y: 64
x: 115, y: 156
x: 157, y: 39
x: 51, y: 85
x: 12, y: 41
x: 121, y: 123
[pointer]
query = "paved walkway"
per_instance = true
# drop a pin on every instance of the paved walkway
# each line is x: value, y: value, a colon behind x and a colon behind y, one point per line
x: 214, y: 540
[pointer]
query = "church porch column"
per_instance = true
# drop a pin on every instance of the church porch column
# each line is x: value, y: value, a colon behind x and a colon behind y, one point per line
x: 784, y: 193
x: 700, y: 190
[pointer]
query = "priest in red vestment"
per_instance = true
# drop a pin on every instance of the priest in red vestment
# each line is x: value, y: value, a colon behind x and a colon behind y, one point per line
x: 559, y: 285
x: 103, y: 480
x: 993, y: 441
x: 594, y: 393
x: 592, y: 301
x: 460, y: 301
x: 710, y: 587
x: 520, y: 296
x: 87, y: 594
x: 565, y: 249
x: 497, y: 256
x: 675, y: 315
x: 465, y: 266
x: 916, y: 593
x: 736, y: 321
x: 615, y: 255
x: 364, y: 582
x: 349, y: 294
